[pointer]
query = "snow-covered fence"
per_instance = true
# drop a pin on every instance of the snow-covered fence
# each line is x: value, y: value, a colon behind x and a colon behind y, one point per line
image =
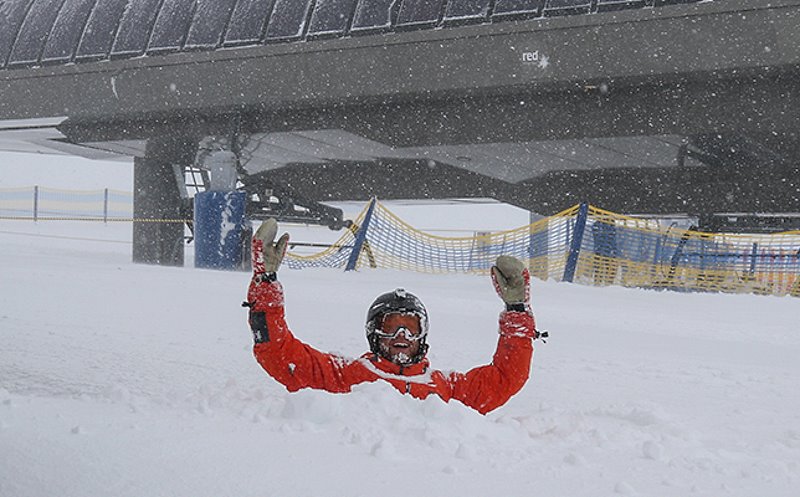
x: 620, y: 250
x: 582, y: 244
x: 40, y: 203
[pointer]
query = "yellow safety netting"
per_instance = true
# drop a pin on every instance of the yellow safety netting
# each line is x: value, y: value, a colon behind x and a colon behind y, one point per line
x: 590, y: 246
x: 596, y: 247
x: 55, y: 203
x: 620, y: 250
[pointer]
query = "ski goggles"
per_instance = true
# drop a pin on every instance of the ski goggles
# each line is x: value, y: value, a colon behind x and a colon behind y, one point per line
x: 409, y: 335
x: 408, y: 323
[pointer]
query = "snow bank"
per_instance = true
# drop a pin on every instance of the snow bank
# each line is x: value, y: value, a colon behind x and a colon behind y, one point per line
x: 128, y: 380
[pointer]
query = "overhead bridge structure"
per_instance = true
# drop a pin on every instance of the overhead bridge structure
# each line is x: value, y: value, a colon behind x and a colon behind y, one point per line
x: 638, y: 106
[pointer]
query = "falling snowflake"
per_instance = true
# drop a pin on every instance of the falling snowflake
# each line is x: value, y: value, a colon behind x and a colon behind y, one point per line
x: 544, y: 62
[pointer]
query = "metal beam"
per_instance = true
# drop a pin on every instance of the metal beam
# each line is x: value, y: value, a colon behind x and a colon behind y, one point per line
x: 761, y: 103
x: 710, y: 39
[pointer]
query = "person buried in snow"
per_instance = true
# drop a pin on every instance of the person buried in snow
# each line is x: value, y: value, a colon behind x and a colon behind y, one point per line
x: 397, y: 329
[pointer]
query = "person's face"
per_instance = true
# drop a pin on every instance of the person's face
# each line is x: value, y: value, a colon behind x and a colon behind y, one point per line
x: 401, y: 341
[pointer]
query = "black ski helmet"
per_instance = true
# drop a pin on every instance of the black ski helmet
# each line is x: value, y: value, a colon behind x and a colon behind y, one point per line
x: 398, y: 301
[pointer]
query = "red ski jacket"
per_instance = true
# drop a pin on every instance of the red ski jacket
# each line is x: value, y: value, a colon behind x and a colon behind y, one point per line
x: 297, y: 365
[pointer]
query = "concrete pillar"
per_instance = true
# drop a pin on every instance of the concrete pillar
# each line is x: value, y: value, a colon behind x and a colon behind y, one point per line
x: 157, y: 196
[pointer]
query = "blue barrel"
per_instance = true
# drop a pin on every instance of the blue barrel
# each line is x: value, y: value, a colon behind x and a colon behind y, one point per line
x: 219, y: 219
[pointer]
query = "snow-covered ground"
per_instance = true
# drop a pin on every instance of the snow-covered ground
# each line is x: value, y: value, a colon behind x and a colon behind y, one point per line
x: 132, y: 380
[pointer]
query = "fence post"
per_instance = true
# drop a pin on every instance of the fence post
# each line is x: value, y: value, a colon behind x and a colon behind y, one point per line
x: 105, y: 206
x: 753, y: 256
x: 361, y: 237
x: 577, y: 240
x: 36, y: 203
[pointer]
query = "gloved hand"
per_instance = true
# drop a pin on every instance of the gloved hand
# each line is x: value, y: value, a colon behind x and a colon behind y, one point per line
x: 268, y: 254
x: 265, y: 292
x: 512, y: 282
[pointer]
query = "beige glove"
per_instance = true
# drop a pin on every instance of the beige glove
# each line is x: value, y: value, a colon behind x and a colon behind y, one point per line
x: 511, y: 280
x: 268, y: 254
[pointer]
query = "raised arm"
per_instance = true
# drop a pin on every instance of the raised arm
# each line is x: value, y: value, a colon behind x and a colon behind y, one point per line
x: 486, y: 388
x: 291, y: 362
